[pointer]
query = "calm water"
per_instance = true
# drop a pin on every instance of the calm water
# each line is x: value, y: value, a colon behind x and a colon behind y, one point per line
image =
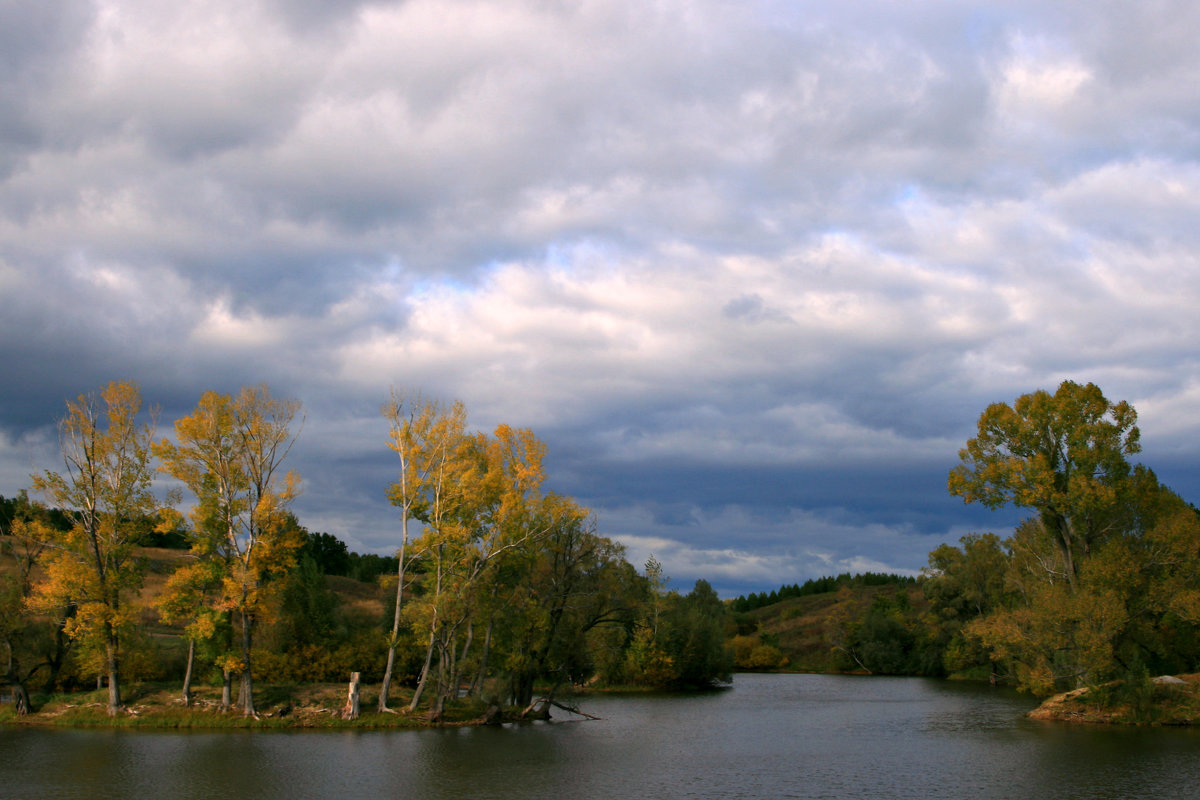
x: 809, y: 736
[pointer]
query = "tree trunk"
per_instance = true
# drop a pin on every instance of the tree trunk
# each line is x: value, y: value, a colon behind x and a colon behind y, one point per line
x: 456, y: 675
x: 114, y: 681
x: 20, y: 698
x: 416, y: 698
x: 447, y: 669
x: 481, y: 674
x: 62, y: 644
x: 187, y: 674
x: 1060, y: 528
x: 20, y: 695
x: 537, y: 709
x: 523, y: 689
x: 433, y: 638
x: 391, y: 659
x: 351, y: 709
x: 247, y: 692
x: 438, y: 706
x: 387, y: 678
x: 226, y: 689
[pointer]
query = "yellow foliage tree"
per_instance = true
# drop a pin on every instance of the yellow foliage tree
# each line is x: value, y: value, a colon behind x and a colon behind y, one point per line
x: 105, y: 485
x: 424, y: 434
x: 229, y: 454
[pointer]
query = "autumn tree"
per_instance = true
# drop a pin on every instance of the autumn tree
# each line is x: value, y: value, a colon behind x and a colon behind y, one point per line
x: 105, y: 485
x: 1053, y: 632
x: 230, y: 453
x: 1063, y: 455
x: 485, y: 500
x: 1100, y: 582
x: 425, y: 435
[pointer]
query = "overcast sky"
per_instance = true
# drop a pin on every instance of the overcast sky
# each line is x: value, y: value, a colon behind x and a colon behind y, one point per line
x: 751, y: 270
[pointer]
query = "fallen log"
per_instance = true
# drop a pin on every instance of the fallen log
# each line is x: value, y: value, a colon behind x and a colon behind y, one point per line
x: 544, y: 711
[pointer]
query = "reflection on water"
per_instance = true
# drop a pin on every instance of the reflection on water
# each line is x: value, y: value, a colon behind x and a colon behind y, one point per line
x: 809, y: 736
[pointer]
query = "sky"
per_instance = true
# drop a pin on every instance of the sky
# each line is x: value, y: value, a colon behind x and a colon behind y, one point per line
x: 751, y: 270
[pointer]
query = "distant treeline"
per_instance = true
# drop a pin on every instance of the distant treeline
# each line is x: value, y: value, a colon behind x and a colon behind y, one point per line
x: 812, y: 586
x: 332, y: 557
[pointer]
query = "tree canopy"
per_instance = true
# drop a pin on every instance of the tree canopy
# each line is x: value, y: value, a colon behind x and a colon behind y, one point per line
x: 1064, y: 455
x: 499, y: 589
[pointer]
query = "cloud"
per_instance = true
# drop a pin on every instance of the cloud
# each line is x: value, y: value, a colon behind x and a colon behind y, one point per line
x: 755, y: 266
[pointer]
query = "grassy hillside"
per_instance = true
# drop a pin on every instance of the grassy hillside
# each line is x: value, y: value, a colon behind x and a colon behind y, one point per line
x: 810, y: 632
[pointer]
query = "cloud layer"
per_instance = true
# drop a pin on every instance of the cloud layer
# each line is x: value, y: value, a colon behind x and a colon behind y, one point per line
x: 752, y: 270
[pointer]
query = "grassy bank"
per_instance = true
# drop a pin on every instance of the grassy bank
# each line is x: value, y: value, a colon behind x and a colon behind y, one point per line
x: 280, y: 707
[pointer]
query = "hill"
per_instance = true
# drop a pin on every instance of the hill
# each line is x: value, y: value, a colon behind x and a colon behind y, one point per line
x: 817, y: 632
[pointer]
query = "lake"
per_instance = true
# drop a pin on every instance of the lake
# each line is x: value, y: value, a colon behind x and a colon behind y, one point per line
x: 803, y: 736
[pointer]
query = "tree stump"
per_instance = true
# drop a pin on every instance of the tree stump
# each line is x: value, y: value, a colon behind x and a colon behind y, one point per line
x: 21, y: 699
x: 351, y: 709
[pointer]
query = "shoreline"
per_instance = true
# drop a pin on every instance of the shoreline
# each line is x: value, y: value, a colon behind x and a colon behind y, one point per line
x: 1164, y: 701
x: 1168, y: 700
x: 280, y: 707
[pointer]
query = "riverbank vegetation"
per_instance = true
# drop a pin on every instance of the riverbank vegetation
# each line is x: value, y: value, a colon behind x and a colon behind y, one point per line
x: 503, y: 594
x: 1098, y: 589
x: 500, y: 593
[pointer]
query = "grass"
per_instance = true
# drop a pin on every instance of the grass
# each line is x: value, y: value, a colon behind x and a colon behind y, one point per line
x: 280, y: 706
x: 803, y: 628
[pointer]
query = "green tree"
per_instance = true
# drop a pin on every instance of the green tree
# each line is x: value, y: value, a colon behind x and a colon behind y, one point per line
x: 679, y: 641
x: 567, y: 583
x: 962, y: 584
x: 308, y: 607
x: 28, y: 533
x: 697, y: 640
x: 192, y: 596
x: 1063, y: 455
x: 1101, y: 581
x: 329, y: 552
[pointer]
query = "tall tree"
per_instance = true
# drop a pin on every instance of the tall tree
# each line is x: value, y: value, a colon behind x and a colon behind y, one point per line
x: 567, y: 583
x: 1099, y: 583
x: 230, y: 454
x: 106, y: 486
x: 486, y: 509
x: 1063, y: 455
x: 424, y: 434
